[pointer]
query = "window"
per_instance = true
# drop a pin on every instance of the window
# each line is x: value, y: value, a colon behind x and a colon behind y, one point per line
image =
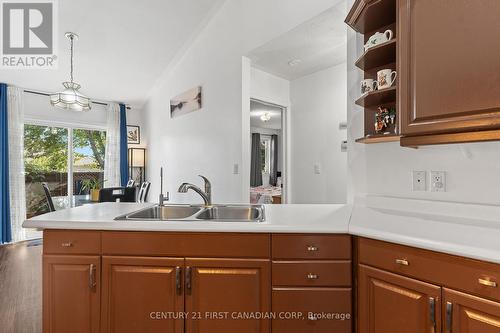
x: 265, y: 151
x: 48, y: 151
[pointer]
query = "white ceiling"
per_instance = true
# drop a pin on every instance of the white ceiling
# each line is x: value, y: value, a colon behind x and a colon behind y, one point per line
x: 257, y: 109
x: 318, y: 43
x: 123, y: 48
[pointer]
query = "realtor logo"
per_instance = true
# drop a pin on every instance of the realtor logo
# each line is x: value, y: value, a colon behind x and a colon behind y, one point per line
x: 28, y: 34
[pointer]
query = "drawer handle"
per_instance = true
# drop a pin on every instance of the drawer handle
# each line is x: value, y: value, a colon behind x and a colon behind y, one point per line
x: 403, y: 262
x: 312, y: 276
x: 67, y: 244
x: 487, y: 283
x: 312, y: 248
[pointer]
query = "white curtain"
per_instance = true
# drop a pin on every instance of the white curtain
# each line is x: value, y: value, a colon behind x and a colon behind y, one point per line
x: 112, y: 160
x: 16, y: 162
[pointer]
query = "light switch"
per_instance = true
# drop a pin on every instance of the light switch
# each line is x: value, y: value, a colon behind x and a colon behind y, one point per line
x: 236, y: 169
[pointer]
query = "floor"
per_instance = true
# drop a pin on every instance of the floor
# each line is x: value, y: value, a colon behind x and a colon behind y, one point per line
x: 21, y: 287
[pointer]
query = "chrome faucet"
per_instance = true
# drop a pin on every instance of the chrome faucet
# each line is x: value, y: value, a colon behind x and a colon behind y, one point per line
x: 207, y: 195
x: 163, y: 198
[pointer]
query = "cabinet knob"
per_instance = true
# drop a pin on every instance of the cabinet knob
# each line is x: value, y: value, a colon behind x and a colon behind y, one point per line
x: 67, y: 244
x: 403, y: 262
x: 487, y: 283
x: 312, y: 248
x: 312, y: 276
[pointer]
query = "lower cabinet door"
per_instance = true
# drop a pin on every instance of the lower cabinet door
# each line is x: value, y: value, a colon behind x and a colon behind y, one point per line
x: 71, y: 289
x: 469, y: 314
x: 393, y: 303
x: 227, y: 295
x: 142, y: 294
x: 312, y: 310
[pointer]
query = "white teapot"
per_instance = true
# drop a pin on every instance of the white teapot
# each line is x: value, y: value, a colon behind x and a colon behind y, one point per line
x: 378, y: 38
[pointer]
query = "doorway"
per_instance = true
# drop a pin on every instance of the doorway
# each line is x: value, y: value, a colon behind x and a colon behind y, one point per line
x: 267, y: 152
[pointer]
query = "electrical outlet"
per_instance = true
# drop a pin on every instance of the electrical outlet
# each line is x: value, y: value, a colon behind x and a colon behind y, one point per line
x: 236, y: 169
x: 438, y: 181
x: 419, y: 180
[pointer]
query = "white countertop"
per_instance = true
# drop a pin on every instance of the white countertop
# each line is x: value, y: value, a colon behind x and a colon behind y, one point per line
x: 329, y: 218
x: 461, y: 229
x: 456, y: 228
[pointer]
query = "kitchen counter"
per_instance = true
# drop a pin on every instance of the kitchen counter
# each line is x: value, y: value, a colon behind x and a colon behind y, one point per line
x: 468, y: 230
x: 329, y: 218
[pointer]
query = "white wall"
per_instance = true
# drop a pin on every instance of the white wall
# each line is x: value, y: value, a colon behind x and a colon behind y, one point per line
x: 318, y: 103
x: 269, y: 88
x: 472, y: 169
x: 211, y: 141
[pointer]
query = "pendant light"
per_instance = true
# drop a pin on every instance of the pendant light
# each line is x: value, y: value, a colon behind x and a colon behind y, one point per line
x: 70, y: 98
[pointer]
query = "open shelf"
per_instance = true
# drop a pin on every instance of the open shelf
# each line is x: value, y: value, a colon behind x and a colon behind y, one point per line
x: 378, y: 138
x: 378, y: 55
x: 377, y: 97
x: 367, y: 15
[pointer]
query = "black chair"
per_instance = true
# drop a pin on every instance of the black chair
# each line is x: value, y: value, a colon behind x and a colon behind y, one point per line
x: 112, y: 194
x: 143, y: 192
x: 130, y: 183
x: 50, y: 203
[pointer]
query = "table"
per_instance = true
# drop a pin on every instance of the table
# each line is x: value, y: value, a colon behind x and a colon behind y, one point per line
x: 62, y: 202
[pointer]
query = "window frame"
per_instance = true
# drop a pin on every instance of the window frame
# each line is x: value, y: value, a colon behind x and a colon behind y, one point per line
x: 266, y: 140
x: 70, y: 127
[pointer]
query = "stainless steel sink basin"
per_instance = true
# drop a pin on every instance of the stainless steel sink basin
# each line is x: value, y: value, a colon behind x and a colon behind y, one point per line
x: 216, y: 213
x: 232, y: 213
x: 162, y: 213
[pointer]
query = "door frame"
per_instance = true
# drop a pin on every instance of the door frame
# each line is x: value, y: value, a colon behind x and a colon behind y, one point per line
x: 285, y: 119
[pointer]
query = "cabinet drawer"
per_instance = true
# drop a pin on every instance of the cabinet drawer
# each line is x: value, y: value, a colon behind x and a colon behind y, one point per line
x: 319, y: 273
x: 71, y: 242
x: 335, y: 302
x: 472, y: 276
x: 311, y: 247
x: 224, y: 245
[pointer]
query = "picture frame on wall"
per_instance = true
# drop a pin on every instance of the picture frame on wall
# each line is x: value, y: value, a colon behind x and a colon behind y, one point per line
x: 133, y: 134
x: 186, y: 102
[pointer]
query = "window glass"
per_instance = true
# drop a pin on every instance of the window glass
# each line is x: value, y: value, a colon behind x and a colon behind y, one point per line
x: 45, y: 160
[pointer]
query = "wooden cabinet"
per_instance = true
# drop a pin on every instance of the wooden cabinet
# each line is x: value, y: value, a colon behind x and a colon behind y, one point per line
x: 71, y: 293
x: 141, y: 294
x: 449, y: 70
x: 299, y: 310
x: 224, y: 291
x: 393, y: 303
x: 469, y: 314
x: 396, y: 290
x: 311, y: 283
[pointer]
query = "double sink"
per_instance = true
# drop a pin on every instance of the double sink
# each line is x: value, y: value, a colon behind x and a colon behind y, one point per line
x: 216, y: 213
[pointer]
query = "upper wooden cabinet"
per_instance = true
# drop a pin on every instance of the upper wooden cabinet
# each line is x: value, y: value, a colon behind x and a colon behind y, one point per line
x: 449, y: 71
x: 393, y: 303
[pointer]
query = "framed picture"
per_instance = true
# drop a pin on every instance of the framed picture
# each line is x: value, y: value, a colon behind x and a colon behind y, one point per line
x: 133, y: 134
x: 186, y: 102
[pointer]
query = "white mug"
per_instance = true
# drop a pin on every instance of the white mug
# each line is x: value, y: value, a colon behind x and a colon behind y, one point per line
x: 385, y: 78
x: 368, y: 85
x: 378, y: 38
